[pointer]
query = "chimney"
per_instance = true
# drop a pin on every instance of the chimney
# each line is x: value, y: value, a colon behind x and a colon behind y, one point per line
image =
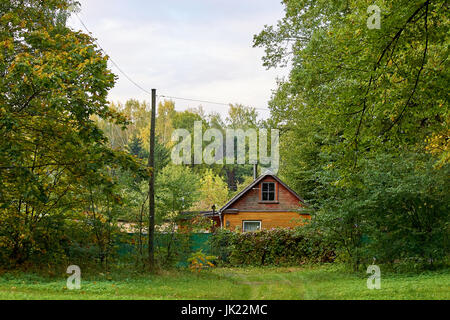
x: 255, y: 171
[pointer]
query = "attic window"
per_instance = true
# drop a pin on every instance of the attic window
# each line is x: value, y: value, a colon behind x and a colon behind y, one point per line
x: 268, y: 191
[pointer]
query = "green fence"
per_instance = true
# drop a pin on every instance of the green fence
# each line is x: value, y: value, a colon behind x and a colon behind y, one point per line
x: 200, y: 241
x: 197, y: 241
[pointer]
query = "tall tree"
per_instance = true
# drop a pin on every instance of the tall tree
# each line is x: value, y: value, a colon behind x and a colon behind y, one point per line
x: 164, y: 126
x: 213, y: 191
x: 372, y: 88
x: 53, y: 80
x: 364, y: 118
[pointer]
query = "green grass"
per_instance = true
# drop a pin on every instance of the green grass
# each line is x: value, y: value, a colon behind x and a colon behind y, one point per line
x: 324, y: 282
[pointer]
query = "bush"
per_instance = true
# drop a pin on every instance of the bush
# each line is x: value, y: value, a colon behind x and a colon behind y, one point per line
x: 395, y: 210
x: 271, y: 247
x: 221, y: 244
x: 199, y: 261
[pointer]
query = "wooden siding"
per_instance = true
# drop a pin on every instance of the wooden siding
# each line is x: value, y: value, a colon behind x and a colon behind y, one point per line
x: 284, y: 212
x: 269, y: 220
x: 251, y: 201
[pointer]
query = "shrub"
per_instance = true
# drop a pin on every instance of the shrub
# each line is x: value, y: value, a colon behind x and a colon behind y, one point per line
x: 395, y: 210
x: 272, y: 247
x: 221, y: 244
x: 199, y: 261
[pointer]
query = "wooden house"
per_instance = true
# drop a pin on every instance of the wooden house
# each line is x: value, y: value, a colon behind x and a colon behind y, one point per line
x: 265, y: 204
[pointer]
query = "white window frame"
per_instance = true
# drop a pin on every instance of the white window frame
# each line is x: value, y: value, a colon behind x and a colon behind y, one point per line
x: 251, y: 221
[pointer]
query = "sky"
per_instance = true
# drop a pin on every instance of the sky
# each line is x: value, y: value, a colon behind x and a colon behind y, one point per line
x: 197, y: 49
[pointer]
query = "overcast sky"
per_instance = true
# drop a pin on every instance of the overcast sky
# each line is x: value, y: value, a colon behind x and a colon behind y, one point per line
x: 200, y: 49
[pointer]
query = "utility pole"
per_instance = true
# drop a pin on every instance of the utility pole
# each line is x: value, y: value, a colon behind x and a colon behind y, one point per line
x: 151, y: 187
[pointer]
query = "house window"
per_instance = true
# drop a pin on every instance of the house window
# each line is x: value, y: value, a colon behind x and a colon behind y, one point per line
x: 251, y: 226
x: 268, y: 191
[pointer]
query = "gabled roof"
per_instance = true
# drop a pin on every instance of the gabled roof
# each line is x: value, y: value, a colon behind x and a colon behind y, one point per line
x: 253, y: 184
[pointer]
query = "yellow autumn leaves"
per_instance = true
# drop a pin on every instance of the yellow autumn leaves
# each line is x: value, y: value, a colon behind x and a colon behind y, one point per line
x: 438, y: 144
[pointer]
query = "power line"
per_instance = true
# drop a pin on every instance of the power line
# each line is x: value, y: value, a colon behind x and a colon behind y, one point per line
x: 194, y: 100
x: 205, y: 101
x: 139, y: 86
x: 112, y: 61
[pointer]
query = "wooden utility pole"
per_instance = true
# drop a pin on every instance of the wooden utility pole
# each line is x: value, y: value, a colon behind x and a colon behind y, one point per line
x: 151, y: 187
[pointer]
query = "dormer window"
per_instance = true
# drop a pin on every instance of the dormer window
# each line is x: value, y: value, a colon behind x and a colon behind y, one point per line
x: 268, y: 191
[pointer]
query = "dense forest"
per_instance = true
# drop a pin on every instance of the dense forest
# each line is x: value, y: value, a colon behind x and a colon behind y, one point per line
x: 363, y: 117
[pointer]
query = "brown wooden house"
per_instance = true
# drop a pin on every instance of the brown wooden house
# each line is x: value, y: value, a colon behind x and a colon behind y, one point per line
x: 265, y: 204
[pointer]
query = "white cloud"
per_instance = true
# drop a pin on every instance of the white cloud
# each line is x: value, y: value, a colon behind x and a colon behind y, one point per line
x: 199, y: 49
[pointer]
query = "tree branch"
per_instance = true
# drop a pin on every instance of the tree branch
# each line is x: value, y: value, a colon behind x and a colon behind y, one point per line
x: 377, y: 64
x: 400, y: 117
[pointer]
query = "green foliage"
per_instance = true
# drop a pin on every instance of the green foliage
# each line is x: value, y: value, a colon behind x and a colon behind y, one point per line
x: 54, y: 81
x: 364, y: 121
x: 399, y: 204
x: 136, y: 148
x: 213, y: 191
x: 199, y: 261
x: 241, y: 117
x: 272, y: 247
x: 371, y: 88
x: 221, y: 243
x: 176, y: 193
x: 177, y: 190
x: 365, y: 137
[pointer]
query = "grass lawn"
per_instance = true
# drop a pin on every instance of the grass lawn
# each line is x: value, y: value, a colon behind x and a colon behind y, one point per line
x: 323, y: 282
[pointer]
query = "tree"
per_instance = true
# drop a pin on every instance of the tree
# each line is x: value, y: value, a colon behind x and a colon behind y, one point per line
x: 240, y: 117
x: 164, y: 127
x: 358, y: 111
x: 178, y: 190
x: 137, y: 114
x: 397, y: 212
x: 213, y: 191
x: 373, y: 89
x: 136, y: 148
x: 244, y: 118
x: 176, y: 193
x: 53, y: 81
